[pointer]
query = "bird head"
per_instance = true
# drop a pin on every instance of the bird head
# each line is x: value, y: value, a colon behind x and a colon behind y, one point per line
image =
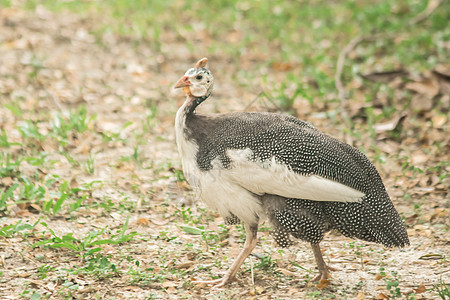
x: 198, y: 81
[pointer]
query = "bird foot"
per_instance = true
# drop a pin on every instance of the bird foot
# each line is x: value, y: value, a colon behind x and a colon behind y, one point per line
x: 324, y: 274
x: 218, y: 283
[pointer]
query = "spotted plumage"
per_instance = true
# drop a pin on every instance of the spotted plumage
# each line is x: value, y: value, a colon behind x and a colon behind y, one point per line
x: 232, y: 220
x: 256, y: 166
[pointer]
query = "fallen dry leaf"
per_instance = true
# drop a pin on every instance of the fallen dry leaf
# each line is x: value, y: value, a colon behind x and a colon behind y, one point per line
x: 378, y: 276
x: 282, y: 66
x: 431, y: 256
x: 440, y: 213
x: 360, y: 296
x: 37, y: 283
x: 185, y: 265
x: 393, y: 125
x: 259, y: 289
x: 381, y: 296
x: 234, y: 36
x: 143, y: 221
x: 35, y: 207
x: 132, y: 288
x: 293, y: 291
x: 442, y: 70
x: 420, y: 289
x: 184, y: 185
x: 323, y: 283
x: 411, y: 220
x: 160, y: 223
x: 24, y: 213
x: 6, y: 181
x: 73, y: 183
x: 439, y: 120
x: 419, y: 157
x: 286, y: 272
x: 168, y: 283
x: 213, y: 226
x: 442, y: 73
x: 421, y: 103
x: 426, y: 86
x: 385, y: 76
x: 171, y: 290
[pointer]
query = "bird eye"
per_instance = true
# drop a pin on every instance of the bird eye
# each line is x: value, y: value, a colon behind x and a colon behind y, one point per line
x: 199, y: 77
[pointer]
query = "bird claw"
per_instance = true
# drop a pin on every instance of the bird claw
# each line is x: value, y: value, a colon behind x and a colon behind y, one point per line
x: 324, y: 274
x: 218, y: 283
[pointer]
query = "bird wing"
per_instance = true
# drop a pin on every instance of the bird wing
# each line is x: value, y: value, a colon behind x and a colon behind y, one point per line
x: 278, y: 154
x: 273, y: 177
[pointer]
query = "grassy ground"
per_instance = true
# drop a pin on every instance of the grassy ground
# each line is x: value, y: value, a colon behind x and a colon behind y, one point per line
x: 93, y: 203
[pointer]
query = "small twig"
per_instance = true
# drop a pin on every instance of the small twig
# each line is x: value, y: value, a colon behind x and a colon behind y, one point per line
x: 264, y: 96
x: 338, y: 76
x: 340, y: 64
x: 431, y: 7
x: 162, y: 222
x: 254, y: 100
x: 55, y: 99
x: 251, y: 269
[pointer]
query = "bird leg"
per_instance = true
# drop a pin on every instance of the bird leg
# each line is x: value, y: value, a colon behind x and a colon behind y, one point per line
x: 321, y: 265
x: 250, y: 244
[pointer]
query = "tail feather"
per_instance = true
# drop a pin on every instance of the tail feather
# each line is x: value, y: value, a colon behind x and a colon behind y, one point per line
x: 362, y: 221
x: 309, y: 220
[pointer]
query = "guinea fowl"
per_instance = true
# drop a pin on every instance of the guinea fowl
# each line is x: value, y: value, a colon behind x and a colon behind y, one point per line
x: 252, y: 166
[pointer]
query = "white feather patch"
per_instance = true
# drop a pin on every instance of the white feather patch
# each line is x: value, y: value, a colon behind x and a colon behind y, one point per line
x: 226, y: 196
x: 271, y: 177
x: 187, y: 149
x: 198, y: 90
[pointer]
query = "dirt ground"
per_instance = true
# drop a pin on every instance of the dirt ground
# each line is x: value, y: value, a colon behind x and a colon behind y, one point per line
x: 51, y: 63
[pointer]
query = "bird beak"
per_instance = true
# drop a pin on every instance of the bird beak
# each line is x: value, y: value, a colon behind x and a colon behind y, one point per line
x: 184, y: 81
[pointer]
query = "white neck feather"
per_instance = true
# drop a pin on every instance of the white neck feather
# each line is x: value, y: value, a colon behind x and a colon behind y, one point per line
x: 187, y: 148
